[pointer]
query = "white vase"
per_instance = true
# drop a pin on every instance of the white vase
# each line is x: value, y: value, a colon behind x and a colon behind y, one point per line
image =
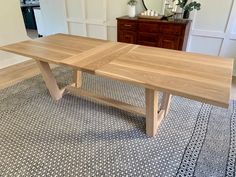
x: 131, y: 11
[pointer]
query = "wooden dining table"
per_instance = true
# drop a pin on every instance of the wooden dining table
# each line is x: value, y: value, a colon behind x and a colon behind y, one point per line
x: 195, y: 76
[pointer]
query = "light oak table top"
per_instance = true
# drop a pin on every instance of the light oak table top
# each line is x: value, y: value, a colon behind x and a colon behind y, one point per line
x: 196, y: 76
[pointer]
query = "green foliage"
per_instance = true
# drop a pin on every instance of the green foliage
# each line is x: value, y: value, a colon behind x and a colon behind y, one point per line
x: 182, y: 3
x: 132, y: 2
x: 192, y: 5
x: 189, y: 6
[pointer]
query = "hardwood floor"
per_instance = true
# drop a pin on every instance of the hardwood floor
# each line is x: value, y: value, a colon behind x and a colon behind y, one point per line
x: 33, y: 34
x: 19, y: 72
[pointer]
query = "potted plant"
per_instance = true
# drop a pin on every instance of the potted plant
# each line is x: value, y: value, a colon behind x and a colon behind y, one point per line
x: 131, y: 7
x: 188, y: 7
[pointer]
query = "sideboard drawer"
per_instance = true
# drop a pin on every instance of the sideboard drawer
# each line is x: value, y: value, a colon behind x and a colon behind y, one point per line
x: 169, y: 42
x: 127, y: 36
x: 149, y: 39
x: 148, y: 27
x: 127, y: 25
x: 171, y: 29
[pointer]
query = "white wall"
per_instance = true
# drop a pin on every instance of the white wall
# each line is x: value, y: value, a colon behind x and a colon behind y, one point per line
x: 214, y: 29
x: 12, y: 30
x: 96, y: 18
x: 53, y: 16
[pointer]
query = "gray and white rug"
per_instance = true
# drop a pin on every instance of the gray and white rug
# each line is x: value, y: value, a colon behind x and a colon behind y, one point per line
x: 77, y: 137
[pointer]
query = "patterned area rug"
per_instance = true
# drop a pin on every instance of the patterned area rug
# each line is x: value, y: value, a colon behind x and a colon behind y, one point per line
x: 77, y: 137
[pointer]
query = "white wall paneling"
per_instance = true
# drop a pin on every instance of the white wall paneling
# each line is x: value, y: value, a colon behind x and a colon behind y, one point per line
x: 213, y: 44
x: 73, y: 26
x: 213, y: 15
x: 87, y: 18
x: 95, y: 18
x: 74, y: 9
x: 112, y: 33
x: 97, y: 31
x: 214, y: 29
x: 54, y: 16
x: 229, y: 46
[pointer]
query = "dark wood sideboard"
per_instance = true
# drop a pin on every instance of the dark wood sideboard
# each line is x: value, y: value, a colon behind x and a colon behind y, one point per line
x: 153, y: 32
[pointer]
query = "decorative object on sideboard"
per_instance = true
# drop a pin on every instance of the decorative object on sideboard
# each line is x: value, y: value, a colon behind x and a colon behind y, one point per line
x: 154, y: 5
x: 131, y: 8
x: 164, y: 8
x: 188, y: 7
x: 170, y: 9
x: 152, y: 14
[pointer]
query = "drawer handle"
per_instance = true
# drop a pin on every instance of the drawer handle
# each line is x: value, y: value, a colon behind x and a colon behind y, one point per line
x: 126, y: 25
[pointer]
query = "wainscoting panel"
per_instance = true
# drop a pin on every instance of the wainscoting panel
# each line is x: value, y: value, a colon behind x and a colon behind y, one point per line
x: 74, y: 9
x: 95, y: 9
x: 76, y: 29
x: 112, y: 33
x: 213, y: 15
x: 214, y: 29
x: 96, y: 18
x: 212, y: 45
x: 231, y: 46
x: 115, y: 9
x: 96, y: 31
x: 234, y: 28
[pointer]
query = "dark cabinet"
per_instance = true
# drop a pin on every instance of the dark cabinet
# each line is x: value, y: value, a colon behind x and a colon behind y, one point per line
x: 29, y: 19
x: 128, y: 36
x: 155, y: 33
x: 149, y: 39
x: 170, y: 42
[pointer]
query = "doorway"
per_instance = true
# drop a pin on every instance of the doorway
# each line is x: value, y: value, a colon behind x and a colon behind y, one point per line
x: 28, y: 9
